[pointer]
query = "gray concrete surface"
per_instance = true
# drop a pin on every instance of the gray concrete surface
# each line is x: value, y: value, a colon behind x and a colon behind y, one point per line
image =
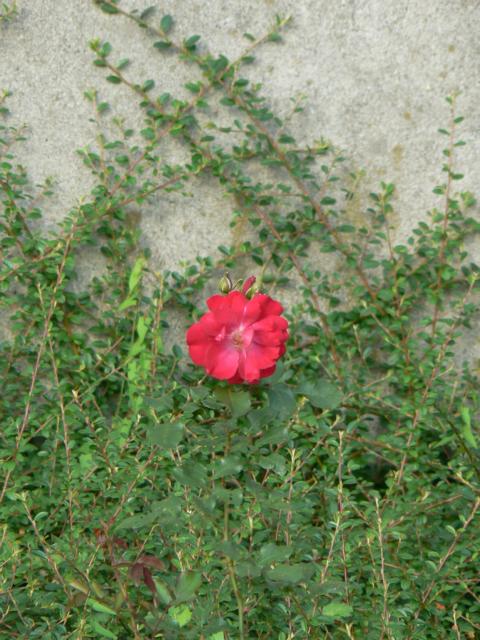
x: 375, y: 73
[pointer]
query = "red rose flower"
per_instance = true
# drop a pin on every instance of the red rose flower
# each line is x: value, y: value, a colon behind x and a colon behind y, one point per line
x: 239, y: 340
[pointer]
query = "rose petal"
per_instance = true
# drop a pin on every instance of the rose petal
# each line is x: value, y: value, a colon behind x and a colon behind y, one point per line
x: 221, y: 361
x: 264, y: 373
x: 228, y: 310
x: 270, y: 323
x: 269, y: 306
x: 197, y: 334
x: 198, y: 353
x: 236, y: 379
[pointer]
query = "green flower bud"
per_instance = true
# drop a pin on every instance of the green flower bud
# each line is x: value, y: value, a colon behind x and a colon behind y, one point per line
x: 256, y: 287
x: 225, y: 285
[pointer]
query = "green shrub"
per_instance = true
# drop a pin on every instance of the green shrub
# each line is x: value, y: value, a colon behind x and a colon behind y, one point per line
x: 138, y: 499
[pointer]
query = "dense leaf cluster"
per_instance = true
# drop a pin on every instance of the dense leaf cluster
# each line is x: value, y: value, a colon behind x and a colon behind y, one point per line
x: 337, y: 499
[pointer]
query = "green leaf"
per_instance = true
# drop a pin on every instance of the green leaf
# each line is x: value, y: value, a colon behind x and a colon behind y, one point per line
x: 194, y: 87
x: 162, y: 44
x: 272, y: 552
x: 322, y: 394
x: 181, y: 614
x: 148, y: 85
x: 228, y: 466
x: 290, y: 573
x: 238, y: 402
x: 282, y: 401
x: 229, y: 549
x: 142, y: 328
x: 248, y: 569
x: 467, y: 427
x: 191, y: 475
x: 191, y: 42
x: 105, y: 633
x: 273, y: 435
x: 346, y: 228
x: 327, y: 200
x: 148, y: 133
x: 147, y: 12
x: 337, y: 610
x: 274, y: 37
x: 101, y: 608
x: 163, y: 592
x: 126, y: 304
x: 113, y: 79
x: 136, y: 274
x: 108, y: 8
x: 258, y: 418
x: 188, y: 583
x: 219, y: 64
x: 273, y: 461
x: 138, y: 521
x: 167, y: 510
x: 166, y: 24
x: 167, y: 435
x: 106, y: 49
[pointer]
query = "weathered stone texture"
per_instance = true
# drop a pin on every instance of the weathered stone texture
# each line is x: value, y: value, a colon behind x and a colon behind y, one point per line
x: 375, y: 73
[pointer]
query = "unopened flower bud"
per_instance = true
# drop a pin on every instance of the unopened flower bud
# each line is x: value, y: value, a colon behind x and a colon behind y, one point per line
x: 252, y: 286
x: 255, y: 288
x: 225, y: 285
x: 247, y: 285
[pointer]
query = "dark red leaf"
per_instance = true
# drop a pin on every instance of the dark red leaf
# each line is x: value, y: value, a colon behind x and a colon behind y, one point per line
x: 152, y: 561
x: 120, y: 543
x: 136, y: 572
x: 147, y: 578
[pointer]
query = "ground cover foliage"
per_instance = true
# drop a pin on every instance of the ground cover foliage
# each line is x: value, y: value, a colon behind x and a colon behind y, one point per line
x: 138, y: 499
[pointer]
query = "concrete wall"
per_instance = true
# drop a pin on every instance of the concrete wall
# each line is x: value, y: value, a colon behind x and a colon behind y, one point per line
x: 375, y: 73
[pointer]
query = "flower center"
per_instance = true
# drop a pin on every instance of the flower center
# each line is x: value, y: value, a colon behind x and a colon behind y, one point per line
x: 237, y: 339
